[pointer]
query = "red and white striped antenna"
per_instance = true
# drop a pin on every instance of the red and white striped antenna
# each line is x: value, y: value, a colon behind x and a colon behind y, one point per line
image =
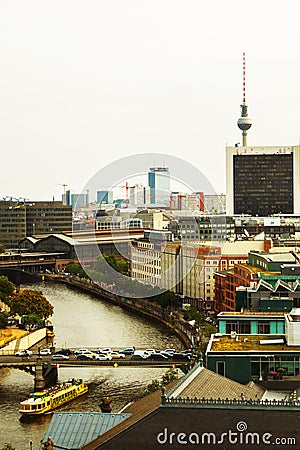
x: 244, y: 122
x: 244, y: 78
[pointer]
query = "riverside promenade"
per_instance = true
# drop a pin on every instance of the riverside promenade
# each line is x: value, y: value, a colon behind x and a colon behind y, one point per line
x: 171, y: 318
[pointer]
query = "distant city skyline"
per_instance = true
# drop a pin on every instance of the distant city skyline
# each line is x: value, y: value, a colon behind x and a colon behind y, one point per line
x: 85, y: 84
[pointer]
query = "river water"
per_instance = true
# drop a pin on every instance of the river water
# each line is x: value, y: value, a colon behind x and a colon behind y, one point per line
x: 82, y: 321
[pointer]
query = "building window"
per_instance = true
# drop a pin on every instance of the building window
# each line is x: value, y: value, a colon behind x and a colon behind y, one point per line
x: 231, y: 326
x: 221, y: 368
x: 263, y: 327
x: 244, y: 327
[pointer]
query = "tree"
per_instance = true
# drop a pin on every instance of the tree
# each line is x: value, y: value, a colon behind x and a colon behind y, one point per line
x: 32, y: 319
x: 209, y: 330
x: 8, y: 447
x: 76, y: 269
x: 2, y: 249
x: 167, y: 299
x: 117, y: 263
x: 3, y: 321
x: 170, y: 375
x: 153, y: 386
x: 194, y: 314
x: 6, y: 289
x: 31, y: 302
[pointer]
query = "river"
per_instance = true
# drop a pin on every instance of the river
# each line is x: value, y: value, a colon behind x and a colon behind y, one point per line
x: 81, y: 320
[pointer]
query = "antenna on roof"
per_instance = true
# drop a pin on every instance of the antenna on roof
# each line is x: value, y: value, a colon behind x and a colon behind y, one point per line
x: 244, y: 122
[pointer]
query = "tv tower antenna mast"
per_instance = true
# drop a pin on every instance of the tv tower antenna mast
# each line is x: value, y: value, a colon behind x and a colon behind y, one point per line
x: 244, y: 122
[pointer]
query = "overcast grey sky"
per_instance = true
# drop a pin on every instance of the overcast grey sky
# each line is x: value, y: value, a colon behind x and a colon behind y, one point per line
x: 86, y: 82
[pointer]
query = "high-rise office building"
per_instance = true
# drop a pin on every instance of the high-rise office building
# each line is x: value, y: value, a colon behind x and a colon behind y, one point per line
x: 18, y: 220
x: 105, y: 197
x: 77, y: 201
x: 261, y: 180
x: 159, y: 182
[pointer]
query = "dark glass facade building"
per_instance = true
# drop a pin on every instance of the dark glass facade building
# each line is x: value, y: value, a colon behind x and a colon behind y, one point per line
x: 263, y: 184
x: 18, y: 220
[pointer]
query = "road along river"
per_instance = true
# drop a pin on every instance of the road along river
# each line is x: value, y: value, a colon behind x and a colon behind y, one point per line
x: 81, y: 320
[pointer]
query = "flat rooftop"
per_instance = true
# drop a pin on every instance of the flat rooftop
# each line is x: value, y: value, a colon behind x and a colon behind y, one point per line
x: 226, y: 314
x: 251, y: 343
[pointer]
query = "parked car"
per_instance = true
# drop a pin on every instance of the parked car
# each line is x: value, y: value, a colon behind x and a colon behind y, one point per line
x: 117, y: 355
x: 150, y: 350
x: 127, y: 351
x: 138, y: 357
x: 85, y: 351
x: 60, y: 357
x: 181, y: 357
x: 170, y: 350
x: 166, y: 354
x: 105, y: 350
x: 187, y: 352
x: 85, y: 357
x: 45, y: 351
x: 103, y: 357
x: 81, y: 350
x: 157, y: 357
x: 23, y: 353
x: 140, y: 354
x: 64, y: 351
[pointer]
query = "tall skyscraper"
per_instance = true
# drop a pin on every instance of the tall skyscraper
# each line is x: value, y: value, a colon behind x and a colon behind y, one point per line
x: 261, y: 180
x: 159, y: 182
x: 105, y: 197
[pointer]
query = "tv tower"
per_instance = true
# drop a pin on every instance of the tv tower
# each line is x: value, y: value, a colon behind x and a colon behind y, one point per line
x: 244, y: 122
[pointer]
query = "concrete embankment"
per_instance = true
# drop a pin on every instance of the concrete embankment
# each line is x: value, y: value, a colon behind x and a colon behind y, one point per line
x: 25, y: 342
x: 171, y: 319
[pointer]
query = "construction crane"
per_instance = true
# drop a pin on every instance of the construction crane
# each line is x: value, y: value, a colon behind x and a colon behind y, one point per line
x: 126, y: 186
x: 64, y: 196
x: 127, y: 190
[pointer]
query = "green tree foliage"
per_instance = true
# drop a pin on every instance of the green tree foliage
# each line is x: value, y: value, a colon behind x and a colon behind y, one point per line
x: 194, y: 314
x: 3, y: 321
x: 167, y: 299
x: 2, y: 249
x: 31, y: 302
x: 6, y: 289
x: 32, y: 319
x: 170, y: 375
x: 153, y: 386
x: 76, y: 269
x: 209, y: 330
x: 117, y: 263
x: 8, y: 447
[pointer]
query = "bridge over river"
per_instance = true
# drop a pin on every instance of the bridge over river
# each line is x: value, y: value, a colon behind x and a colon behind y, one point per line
x: 45, y: 368
x: 30, y: 363
x: 81, y: 320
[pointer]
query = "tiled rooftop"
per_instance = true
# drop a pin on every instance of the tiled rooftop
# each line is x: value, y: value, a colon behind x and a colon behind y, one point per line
x: 208, y: 384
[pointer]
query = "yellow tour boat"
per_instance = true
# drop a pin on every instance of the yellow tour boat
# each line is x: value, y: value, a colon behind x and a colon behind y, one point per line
x: 53, y: 397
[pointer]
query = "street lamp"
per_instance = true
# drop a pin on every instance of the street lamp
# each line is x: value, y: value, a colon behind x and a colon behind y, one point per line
x: 30, y: 445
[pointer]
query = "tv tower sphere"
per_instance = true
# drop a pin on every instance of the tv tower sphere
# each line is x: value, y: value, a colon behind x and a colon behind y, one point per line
x: 244, y: 123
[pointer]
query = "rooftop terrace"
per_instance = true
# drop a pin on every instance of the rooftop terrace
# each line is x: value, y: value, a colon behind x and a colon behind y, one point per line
x: 251, y: 343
